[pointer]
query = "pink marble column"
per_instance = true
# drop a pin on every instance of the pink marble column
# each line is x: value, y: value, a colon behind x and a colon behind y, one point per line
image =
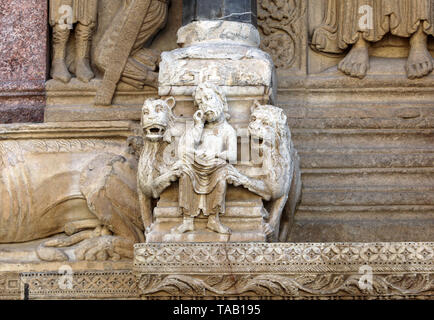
x: 23, y: 60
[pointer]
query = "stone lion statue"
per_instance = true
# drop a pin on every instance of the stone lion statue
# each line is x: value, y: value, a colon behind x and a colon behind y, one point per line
x: 280, y: 183
x: 75, y: 198
x: 157, y: 167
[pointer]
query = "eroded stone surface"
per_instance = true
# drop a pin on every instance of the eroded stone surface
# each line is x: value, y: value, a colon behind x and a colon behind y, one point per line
x: 23, y: 65
x: 71, y: 180
x: 314, y: 270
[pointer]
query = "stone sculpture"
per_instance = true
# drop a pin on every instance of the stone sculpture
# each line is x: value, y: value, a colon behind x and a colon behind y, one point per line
x: 203, y: 164
x: 205, y: 154
x: 154, y: 171
x: 345, y: 27
x: 281, y: 180
x: 121, y: 55
x: 78, y: 191
x: 63, y: 14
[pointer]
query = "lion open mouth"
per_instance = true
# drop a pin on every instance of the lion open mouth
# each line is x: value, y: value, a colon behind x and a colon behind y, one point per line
x: 154, y: 131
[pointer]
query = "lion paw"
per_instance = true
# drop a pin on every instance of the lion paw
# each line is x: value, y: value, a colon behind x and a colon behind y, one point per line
x: 104, y: 248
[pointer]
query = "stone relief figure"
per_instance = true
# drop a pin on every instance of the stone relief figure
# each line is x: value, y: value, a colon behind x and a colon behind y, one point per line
x: 203, y: 163
x: 76, y: 197
x: 343, y: 27
x: 281, y: 180
x: 205, y: 153
x: 156, y: 170
x: 84, y: 17
x: 121, y: 54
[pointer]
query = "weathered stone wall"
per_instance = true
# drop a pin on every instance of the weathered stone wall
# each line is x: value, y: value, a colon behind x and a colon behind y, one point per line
x: 366, y: 145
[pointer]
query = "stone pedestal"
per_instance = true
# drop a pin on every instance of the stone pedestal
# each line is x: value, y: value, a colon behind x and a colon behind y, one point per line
x: 23, y: 63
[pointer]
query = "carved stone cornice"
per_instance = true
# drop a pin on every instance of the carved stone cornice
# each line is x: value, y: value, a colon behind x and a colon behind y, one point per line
x: 285, y: 270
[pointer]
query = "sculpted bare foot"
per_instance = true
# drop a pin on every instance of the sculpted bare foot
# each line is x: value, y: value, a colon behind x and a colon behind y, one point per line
x: 419, y: 63
x: 59, y: 71
x: 215, y: 225
x: 186, y: 226
x: 356, y: 63
x: 83, y: 71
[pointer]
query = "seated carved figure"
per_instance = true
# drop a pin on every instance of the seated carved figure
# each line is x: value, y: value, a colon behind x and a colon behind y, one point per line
x: 205, y: 153
x: 344, y: 27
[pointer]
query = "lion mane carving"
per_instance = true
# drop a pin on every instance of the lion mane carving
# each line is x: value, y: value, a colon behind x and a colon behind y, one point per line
x: 156, y: 170
x: 280, y: 184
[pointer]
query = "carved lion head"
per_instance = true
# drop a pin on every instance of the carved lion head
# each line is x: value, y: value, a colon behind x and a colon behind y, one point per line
x: 157, y: 118
x: 268, y: 124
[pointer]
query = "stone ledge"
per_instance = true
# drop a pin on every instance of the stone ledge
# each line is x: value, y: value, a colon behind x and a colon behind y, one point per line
x: 284, y: 270
x: 234, y: 271
x: 274, y: 258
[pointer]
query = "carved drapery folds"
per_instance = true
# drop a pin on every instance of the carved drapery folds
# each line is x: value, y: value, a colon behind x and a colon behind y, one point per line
x: 121, y: 53
x: 358, y: 24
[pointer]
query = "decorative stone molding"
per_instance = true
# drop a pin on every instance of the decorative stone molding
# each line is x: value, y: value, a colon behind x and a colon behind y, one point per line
x: 252, y: 270
x: 282, y: 25
x: 223, y: 52
x: 290, y: 271
x: 85, y: 285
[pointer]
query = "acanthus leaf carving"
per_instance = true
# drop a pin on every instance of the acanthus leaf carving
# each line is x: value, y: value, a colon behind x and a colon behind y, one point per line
x: 282, y: 27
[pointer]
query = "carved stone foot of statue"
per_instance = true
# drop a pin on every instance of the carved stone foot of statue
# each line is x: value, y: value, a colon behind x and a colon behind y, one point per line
x: 83, y: 71
x: 59, y: 71
x: 419, y: 63
x: 90, y: 245
x: 215, y: 225
x: 356, y: 63
x: 186, y: 226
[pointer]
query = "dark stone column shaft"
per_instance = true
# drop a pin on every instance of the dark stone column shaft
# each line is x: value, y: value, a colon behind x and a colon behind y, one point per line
x: 229, y: 10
